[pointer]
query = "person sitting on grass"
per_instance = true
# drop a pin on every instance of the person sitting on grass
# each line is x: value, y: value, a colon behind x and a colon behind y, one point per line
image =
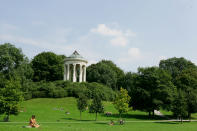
x: 33, y: 122
x: 111, y: 123
x: 121, y: 122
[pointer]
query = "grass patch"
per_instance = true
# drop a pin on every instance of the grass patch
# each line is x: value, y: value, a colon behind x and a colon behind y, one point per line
x: 51, y: 114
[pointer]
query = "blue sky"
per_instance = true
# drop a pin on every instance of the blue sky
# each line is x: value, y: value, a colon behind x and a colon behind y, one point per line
x: 131, y: 33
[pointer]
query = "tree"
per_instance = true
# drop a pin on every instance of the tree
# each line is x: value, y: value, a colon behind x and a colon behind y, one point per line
x: 119, y: 72
x: 179, y: 106
x: 121, y: 102
x: 10, y: 59
x: 11, y: 96
x: 96, y: 105
x: 153, y: 90
x: 14, y: 71
x: 184, y: 77
x: 106, y: 93
x: 128, y: 81
x: 82, y: 103
x: 187, y: 82
x: 102, y: 73
x: 47, y: 66
x: 175, y: 66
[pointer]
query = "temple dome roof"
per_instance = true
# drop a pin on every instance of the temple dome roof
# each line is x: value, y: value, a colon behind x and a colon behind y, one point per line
x: 76, y: 56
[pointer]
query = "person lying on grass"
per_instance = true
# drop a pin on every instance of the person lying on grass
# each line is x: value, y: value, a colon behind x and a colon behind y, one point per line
x: 33, y: 122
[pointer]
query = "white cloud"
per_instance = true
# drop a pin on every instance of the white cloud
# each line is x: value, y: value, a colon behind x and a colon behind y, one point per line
x: 119, y: 41
x: 104, y: 30
x: 134, y: 53
x: 51, y: 39
x: 33, y: 42
x: 118, y: 37
x: 129, y: 33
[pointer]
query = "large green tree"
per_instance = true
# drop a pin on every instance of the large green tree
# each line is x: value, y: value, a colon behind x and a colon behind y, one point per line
x: 153, y: 90
x: 105, y: 72
x: 10, y: 97
x: 47, y: 66
x: 187, y: 82
x: 14, y: 71
x: 184, y: 77
x: 14, y: 63
x: 175, y: 66
x: 11, y: 58
x: 119, y: 72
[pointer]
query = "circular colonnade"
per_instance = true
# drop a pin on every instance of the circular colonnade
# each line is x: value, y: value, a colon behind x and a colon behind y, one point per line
x: 75, y: 68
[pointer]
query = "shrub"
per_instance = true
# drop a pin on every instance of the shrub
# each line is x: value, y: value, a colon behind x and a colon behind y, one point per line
x: 60, y: 88
x: 106, y: 92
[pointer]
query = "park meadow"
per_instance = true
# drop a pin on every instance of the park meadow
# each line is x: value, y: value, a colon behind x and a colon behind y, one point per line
x: 162, y: 97
x: 51, y: 115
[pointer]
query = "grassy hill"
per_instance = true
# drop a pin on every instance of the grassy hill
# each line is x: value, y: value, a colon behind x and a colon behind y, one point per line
x: 51, y: 114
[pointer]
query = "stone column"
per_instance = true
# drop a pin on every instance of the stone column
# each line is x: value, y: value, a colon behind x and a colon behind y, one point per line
x: 65, y: 72
x: 80, y: 73
x: 68, y: 72
x: 74, y: 72
x: 84, y: 77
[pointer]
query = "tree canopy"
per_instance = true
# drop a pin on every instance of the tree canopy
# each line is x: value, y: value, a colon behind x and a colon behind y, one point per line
x: 153, y: 89
x: 105, y: 72
x: 10, y: 59
x: 47, y: 66
x: 176, y: 65
x: 186, y: 81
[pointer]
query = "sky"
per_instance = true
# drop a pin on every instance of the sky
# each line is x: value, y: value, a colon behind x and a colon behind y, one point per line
x: 131, y: 33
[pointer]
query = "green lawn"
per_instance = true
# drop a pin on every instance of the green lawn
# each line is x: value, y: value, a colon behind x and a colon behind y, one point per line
x: 50, y: 113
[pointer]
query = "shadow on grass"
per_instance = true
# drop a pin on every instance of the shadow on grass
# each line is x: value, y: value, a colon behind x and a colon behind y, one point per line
x: 173, y: 122
x: 102, y: 123
x: 76, y: 119
x: 137, y: 117
x: 124, y: 116
x: 167, y: 122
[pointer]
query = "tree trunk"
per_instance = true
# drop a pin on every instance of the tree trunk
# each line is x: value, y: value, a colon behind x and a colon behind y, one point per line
x: 6, y: 119
x: 96, y: 116
x: 80, y: 115
x: 120, y: 115
x: 153, y: 113
x: 149, y: 114
x: 189, y: 116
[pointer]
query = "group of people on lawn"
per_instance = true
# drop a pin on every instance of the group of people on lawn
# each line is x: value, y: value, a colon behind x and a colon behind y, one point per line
x: 33, y: 123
